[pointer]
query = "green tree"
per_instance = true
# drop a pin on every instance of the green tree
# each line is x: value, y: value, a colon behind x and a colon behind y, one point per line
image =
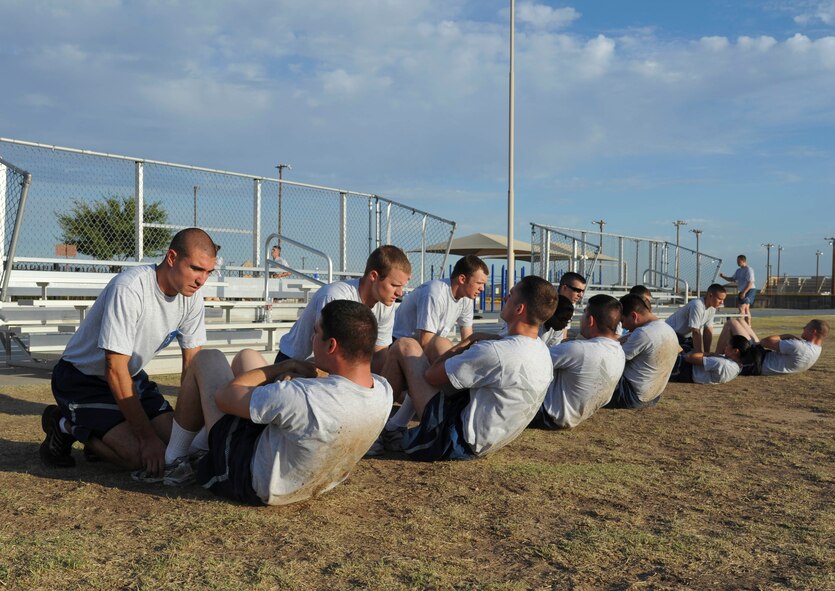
x: 105, y: 229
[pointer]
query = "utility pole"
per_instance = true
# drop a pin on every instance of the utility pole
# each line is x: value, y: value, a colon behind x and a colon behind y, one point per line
x: 832, y: 286
x: 678, y: 224
x: 511, y: 150
x: 601, y: 222
x: 768, y: 247
x: 698, y: 263
x: 196, y: 187
x: 281, y: 168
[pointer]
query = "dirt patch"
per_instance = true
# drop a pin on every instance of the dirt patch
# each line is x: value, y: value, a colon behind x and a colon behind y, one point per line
x: 723, y: 487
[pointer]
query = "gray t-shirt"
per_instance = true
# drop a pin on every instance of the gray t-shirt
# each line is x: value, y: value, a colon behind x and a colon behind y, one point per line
x: 317, y: 430
x: 431, y: 307
x: 298, y: 344
x: 507, y: 379
x: 792, y: 356
x: 716, y: 370
x: 651, y: 351
x: 742, y: 276
x: 585, y: 375
x: 692, y: 315
x: 133, y: 317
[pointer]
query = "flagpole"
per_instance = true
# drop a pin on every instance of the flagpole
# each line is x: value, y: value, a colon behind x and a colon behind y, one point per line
x: 511, y: 262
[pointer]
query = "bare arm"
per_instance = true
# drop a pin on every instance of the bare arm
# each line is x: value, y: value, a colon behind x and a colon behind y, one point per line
x: 234, y: 398
x: 466, y: 332
x: 695, y: 358
x: 696, y: 334
x: 188, y: 357
x: 436, y: 374
x: 707, y: 338
x: 151, y: 447
x: 773, y: 343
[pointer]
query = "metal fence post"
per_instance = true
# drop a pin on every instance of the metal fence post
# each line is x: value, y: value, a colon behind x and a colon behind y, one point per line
x: 139, y: 230
x: 24, y: 192
x: 422, y: 247
x: 256, y: 222
x: 343, y: 231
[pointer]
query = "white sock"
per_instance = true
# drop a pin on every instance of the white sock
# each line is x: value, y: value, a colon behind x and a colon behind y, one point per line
x: 179, y: 443
x: 63, y: 424
x: 200, y: 443
x: 403, y: 415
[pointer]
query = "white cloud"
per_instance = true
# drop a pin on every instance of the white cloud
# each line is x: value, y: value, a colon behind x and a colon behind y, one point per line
x: 544, y: 16
x: 714, y: 43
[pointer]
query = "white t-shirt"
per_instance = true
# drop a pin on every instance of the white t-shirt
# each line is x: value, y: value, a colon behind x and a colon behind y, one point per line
x: 792, y: 356
x: 297, y: 343
x: 716, y: 370
x: 692, y: 315
x: 585, y: 375
x: 507, y: 379
x: 432, y: 308
x: 551, y: 337
x: 651, y: 351
x: 742, y: 276
x: 317, y: 430
x: 133, y: 317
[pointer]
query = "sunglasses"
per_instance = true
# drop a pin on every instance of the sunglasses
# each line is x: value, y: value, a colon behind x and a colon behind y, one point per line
x: 576, y: 289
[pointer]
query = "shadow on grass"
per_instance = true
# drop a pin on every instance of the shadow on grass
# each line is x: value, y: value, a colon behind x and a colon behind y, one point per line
x: 22, y: 457
x: 15, y: 406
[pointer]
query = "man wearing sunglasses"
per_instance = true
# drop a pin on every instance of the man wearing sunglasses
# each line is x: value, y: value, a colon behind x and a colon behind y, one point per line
x: 572, y: 286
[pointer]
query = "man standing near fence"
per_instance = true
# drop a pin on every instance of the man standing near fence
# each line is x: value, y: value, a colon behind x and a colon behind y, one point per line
x: 745, y: 285
x: 105, y: 399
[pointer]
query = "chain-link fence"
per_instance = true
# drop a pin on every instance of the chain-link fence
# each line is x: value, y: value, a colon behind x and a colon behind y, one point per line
x: 14, y: 188
x: 623, y: 261
x: 91, y: 211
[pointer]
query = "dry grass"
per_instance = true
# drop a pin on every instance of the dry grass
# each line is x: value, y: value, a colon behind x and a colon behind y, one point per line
x: 717, y: 487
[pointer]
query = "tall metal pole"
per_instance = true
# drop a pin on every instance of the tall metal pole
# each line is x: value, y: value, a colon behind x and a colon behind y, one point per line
x: 601, y: 222
x: 511, y: 260
x: 818, y: 254
x: 281, y: 168
x: 698, y: 233
x: 779, y: 252
x: 196, y: 187
x: 678, y: 224
x: 768, y: 247
x: 832, y: 278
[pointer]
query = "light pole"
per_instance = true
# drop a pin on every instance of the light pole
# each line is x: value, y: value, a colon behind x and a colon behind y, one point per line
x: 698, y: 233
x: 196, y: 187
x: 678, y: 224
x: 818, y: 254
x: 511, y: 260
x: 832, y: 286
x: 281, y: 168
x: 768, y: 247
x: 601, y: 222
x: 779, y: 252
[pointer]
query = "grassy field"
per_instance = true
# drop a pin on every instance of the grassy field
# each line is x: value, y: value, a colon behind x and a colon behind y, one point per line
x: 718, y: 487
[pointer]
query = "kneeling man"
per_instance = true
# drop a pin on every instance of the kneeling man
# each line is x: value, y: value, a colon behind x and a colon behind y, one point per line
x: 286, y: 441
x: 481, y: 394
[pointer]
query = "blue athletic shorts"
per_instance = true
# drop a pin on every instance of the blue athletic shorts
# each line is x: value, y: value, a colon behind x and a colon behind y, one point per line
x: 749, y: 297
x: 227, y: 469
x: 682, y: 371
x: 440, y: 435
x: 89, y: 404
x: 625, y: 396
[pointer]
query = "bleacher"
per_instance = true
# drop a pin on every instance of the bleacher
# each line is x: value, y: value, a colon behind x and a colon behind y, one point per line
x: 35, y: 330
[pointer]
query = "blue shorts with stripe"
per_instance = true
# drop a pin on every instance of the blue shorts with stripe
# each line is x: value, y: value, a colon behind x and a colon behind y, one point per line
x: 88, y: 403
x: 440, y: 435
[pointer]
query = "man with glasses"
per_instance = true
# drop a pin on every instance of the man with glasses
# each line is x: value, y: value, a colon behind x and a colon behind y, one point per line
x: 572, y: 286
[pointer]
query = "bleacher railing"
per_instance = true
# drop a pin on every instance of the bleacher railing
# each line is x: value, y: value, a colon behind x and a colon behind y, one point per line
x: 623, y: 260
x: 554, y: 252
x: 111, y: 207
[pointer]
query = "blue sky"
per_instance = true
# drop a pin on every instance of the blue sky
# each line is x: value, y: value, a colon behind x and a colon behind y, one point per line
x: 720, y: 113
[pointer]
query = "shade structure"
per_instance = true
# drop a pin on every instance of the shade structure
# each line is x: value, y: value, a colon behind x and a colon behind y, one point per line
x: 483, y: 245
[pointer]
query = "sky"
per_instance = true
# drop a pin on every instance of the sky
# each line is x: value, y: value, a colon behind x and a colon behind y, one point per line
x: 720, y: 113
